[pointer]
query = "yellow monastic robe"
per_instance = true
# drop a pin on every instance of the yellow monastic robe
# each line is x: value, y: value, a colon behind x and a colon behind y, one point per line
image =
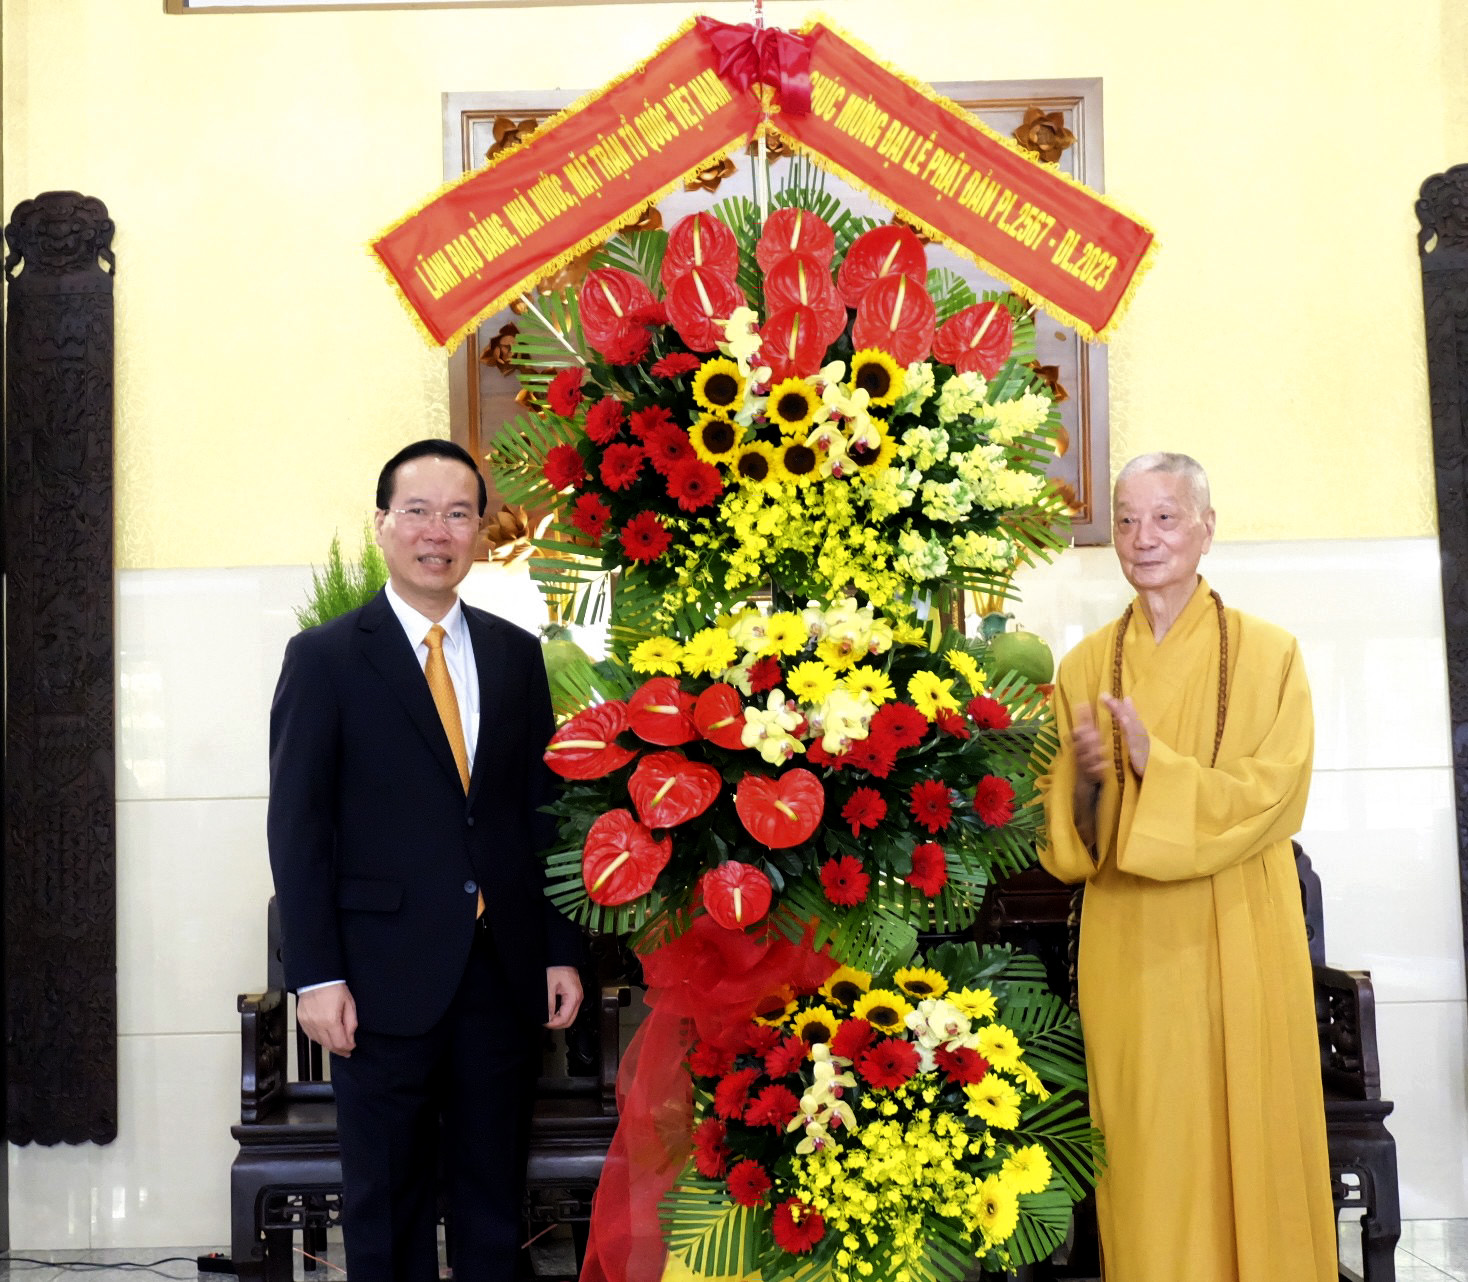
x: 1195, y: 988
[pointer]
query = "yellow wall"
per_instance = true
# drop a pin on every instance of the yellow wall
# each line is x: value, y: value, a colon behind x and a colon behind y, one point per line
x: 265, y: 369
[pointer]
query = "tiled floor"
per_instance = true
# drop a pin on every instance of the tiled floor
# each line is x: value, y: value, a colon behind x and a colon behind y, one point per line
x: 1430, y: 1251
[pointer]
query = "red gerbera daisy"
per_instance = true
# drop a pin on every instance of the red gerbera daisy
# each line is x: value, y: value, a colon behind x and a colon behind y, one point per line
x: 667, y: 445
x: 653, y: 313
x: 709, y: 1152
x: 604, y: 420
x: 761, y: 1039
x: 620, y: 465
x: 929, y: 804
x: 731, y: 1096
x: 904, y: 723
x: 627, y: 346
x: 649, y: 419
x: 876, y: 754
x: 708, y: 1060
x: 590, y: 515
x: 564, y: 468
x: 675, y: 363
x: 853, y: 1037
x: 815, y: 755
x: 693, y: 483
x: 929, y: 869
x: 844, y: 881
x: 788, y: 1056
x: 994, y: 801
x: 564, y: 393
x: 963, y: 1065
x: 748, y: 1183
x: 644, y: 538
x: 988, y: 714
x: 765, y: 674
x: 950, y: 722
x: 888, y: 1064
x: 796, y: 1227
x: 865, y: 809
x: 773, y: 1106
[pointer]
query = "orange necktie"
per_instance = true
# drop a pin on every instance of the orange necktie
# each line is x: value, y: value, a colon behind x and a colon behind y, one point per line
x: 441, y: 686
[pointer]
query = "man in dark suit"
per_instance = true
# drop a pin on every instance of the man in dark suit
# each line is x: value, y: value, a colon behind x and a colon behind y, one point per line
x: 404, y: 824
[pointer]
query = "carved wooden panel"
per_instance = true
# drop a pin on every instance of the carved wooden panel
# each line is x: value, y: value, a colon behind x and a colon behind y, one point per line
x: 60, y: 949
x: 1442, y: 241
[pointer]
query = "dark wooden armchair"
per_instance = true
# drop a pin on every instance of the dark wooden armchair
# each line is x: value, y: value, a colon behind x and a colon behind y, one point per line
x: 286, y: 1178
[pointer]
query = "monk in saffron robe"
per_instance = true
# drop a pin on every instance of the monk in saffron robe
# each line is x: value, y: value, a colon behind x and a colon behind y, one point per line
x: 1186, y: 742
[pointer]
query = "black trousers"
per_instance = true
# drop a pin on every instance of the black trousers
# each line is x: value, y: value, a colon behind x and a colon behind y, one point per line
x: 456, y: 1100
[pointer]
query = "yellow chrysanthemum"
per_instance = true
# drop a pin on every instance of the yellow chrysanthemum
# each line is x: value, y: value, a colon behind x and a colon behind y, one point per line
x: 719, y: 386
x: 846, y: 985
x: 793, y: 406
x: 796, y: 462
x: 999, y: 1046
x: 657, y: 655
x: 754, y: 464
x: 709, y: 651
x: 996, y: 1210
x: 976, y: 1003
x: 872, y: 682
x: 878, y: 375
x: 884, y: 1010
x: 714, y: 439
x: 909, y: 632
x: 963, y: 663
x: 919, y: 982
x: 785, y: 633
x: 871, y: 458
x: 1027, y: 1170
x: 994, y: 1101
x: 931, y: 694
x: 818, y: 1025
x: 810, y: 682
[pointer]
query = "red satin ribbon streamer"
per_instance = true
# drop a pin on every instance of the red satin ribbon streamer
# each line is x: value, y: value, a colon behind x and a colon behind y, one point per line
x: 704, y: 984
x: 746, y: 55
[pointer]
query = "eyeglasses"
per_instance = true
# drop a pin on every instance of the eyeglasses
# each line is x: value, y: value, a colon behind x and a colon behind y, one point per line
x: 457, y: 521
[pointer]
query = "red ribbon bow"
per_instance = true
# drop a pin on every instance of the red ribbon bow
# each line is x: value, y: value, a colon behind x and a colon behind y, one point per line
x: 746, y: 55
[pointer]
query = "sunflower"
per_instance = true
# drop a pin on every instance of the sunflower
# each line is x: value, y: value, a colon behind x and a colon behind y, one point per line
x: 714, y: 438
x: 793, y: 406
x: 878, y: 375
x: 774, y: 1009
x: 872, y: 458
x: 920, y: 983
x: 883, y: 1010
x: 796, y: 462
x: 718, y: 386
x: 754, y: 464
x: 814, y: 1026
x: 846, y: 985
x: 872, y: 682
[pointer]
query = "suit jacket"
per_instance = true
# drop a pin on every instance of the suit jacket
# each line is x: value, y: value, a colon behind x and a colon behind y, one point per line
x: 376, y: 850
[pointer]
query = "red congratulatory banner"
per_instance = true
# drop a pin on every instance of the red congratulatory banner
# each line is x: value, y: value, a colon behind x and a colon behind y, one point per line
x: 474, y: 248
x: 923, y: 156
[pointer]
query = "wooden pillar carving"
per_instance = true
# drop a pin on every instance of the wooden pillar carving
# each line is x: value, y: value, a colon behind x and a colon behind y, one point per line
x: 1442, y: 242
x: 60, y: 947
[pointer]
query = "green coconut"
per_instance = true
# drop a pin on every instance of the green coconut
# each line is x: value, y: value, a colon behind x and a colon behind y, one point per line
x: 1021, y: 652
x: 567, y: 668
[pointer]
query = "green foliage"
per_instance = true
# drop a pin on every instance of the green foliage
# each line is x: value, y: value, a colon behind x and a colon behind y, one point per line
x: 342, y: 585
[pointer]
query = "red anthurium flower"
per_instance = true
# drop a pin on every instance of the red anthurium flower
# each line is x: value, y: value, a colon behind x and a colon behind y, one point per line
x: 888, y: 1064
x: 782, y: 812
x: 929, y: 804
x: 621, y: 859
x: 877, y: 254
x: 929, y: 869
x: 853, y: 1037
x: 864, y: 809
x: 608, y: 298
x: 977, y: 338
x: 794, y: 343
x: 845, y: 881
x: 748, y: 1183
x: 661, y: 712
x: 897, y: 316
x: 719, y: 716
x: 564, y: 393
x: 994, y: 801
x: 794, y: 231
x: 962, y: 1065
x: 988, y: 714
x: 699, y: 240
x: 802, y: 281
x: 668, y: 789
x: 699, y: 303
x: 735, y: 894
x: 586, y: 746
x: 796, y: 1227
